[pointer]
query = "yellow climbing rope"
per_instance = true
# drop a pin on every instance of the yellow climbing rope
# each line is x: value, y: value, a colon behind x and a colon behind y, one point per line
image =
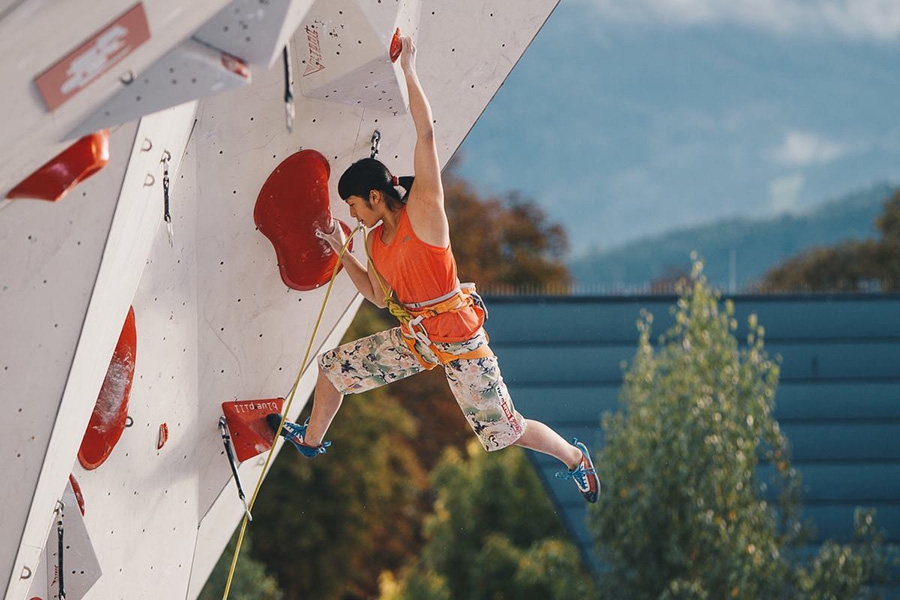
x: 395, y: 308
x: 287, y: 406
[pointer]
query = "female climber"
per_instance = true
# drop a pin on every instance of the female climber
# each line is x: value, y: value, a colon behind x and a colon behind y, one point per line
x: 441, y: 320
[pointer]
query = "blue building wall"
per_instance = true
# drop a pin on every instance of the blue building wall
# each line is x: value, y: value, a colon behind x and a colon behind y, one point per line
x: 838, y: 401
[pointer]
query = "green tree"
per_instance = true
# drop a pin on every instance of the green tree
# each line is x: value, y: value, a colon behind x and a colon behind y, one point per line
x: 492, y: 535
x: 850, y: 266
x: 683, y: 516
x: 250, y: 581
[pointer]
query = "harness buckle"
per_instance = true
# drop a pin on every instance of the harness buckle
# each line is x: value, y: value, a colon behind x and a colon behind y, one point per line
x: 418, y: 331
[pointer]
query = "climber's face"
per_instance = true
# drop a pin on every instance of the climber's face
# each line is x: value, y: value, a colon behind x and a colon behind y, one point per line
x: 368, y: 212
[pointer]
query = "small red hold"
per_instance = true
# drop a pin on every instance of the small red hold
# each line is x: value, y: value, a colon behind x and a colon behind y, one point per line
x: 163, y: 436
x: 77, y: 491
x: 396, y: 46
x: 66, y: 170
x: 236, y: 66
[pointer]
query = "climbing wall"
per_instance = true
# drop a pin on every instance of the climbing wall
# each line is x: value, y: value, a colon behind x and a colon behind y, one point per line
x: 214, y: 321
x: 63, y: 303
x: 44, y: 298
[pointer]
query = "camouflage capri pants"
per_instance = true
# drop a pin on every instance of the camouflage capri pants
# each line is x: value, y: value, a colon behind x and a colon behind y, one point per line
x: 476, y: 383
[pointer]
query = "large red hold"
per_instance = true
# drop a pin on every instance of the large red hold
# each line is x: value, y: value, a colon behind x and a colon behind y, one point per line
x: 292, y: 205
x: 66, y: 170
x: 250, y: 433
x: 111, y: 410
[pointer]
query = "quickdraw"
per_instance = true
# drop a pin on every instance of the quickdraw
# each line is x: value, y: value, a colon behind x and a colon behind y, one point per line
x: 60, y: 508
x: 167, y: 216
x: 289, y: 112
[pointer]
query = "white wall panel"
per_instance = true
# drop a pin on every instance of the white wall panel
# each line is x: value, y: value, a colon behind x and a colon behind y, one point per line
x: 252, y: 328
x: 188, y: 71
x: 254, y: 30
x: 217, y: 525
x: 137, y: 216
x: 53, y: 253
x: 80, y: 568
x: 346, y: 48
x: 141, y: 504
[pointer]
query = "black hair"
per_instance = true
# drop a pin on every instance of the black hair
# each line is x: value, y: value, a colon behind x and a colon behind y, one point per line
x: 369, y: 174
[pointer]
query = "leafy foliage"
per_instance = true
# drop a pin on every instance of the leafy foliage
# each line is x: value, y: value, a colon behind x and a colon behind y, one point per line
x: 492, y: 535
x: 851, y: 266
x: 684, y: 515
x: 503, y: 241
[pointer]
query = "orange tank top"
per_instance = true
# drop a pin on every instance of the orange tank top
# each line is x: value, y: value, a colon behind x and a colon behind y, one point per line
x: 419, y: 272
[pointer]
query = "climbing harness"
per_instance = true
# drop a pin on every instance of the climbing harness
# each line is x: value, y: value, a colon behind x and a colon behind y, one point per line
x: 287, y: 406
x: 412, y: 316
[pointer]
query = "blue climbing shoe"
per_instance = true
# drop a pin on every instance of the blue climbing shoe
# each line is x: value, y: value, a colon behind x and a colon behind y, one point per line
x: 294, y: 434
x: 584, y: 475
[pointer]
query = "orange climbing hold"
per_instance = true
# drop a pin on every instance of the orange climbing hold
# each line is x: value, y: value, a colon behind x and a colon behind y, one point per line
x: 66, y: 170
x: 111, y: 410
x: 250, y: 434
x: 292, y: 205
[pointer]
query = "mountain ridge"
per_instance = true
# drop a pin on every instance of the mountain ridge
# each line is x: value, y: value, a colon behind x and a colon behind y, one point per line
x: 755, y: 245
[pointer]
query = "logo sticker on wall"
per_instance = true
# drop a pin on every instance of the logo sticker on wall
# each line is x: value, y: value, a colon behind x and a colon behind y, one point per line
x: 85, y: 64
x: 315, y: 51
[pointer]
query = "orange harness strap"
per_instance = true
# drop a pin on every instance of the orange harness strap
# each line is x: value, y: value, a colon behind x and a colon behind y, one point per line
x: 414, y: 329
x: 411, y: 317
x: 445, y: 357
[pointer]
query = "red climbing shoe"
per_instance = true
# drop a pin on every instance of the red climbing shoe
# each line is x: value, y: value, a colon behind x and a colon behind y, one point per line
x: 584, y: 475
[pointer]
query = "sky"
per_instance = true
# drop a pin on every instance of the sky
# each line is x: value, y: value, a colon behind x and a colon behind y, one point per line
x: 628, y: 118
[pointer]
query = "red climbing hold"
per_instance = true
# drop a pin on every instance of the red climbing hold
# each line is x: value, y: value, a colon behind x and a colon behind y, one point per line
x: 292, y: 205
x: 163, y: 436
x: 250, y: 434
x: 396, y: 46
x: 76, y: 489
x: 111, y: 410
x: 66, y: 170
